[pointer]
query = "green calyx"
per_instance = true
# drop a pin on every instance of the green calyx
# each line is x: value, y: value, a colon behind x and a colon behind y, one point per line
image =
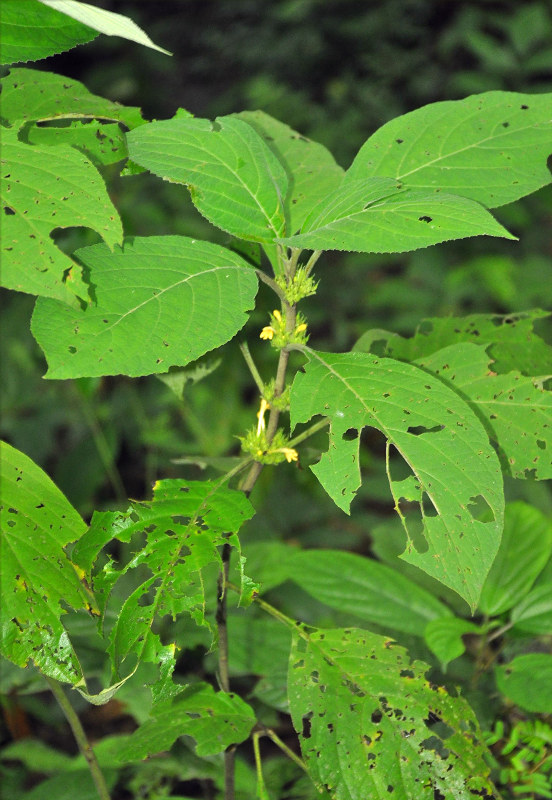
x: 299, y: 286
x: 255, y: 444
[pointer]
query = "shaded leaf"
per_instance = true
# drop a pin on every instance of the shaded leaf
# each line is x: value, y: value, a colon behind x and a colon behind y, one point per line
x: 379, y: 215
x: 99, y: 19
x: 161, y: 301
x: 509, y: 339
x: 371, y: 725
x: 31, y: 31
x: 517, y: 411
x: 492, y: 147
x: 37, y: 577
x: 533, y: 615
x: 214, y: 719
x: 524, y: 550
x: 235, y: 180
x: 444, y: 637
x: 311, y: 169
x: 43, y: 188
x: 527, y: 681
x: 365, y: 588
x: 454, y: 468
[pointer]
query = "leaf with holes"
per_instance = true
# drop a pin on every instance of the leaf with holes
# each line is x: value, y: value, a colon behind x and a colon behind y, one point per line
x: 311, y: 169
x: 491, y: 148
x: 214, y: 719
x: 454, y: 467
x: 235, y: 180
x: 516, y: 411
x: 379, y: 215
x: 371, y: 725
x: 36, y: 575
x: 160, y: 301
x: 184, y: 526
x: 43, y: 188
x: 372, y: 591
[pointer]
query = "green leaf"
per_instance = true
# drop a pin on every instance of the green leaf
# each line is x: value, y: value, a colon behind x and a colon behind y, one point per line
x: 30, y: 95
x: 43, y: 188
x: 214, y: 719
x: 516, y: 411
x: 104, y: 21
x: 311, y: 169
x: 37, y: 522
x: 184, y: 525
x: 444, y: 637
x: 454, y: 468
x: 235, y: 180
x: 492, y: 147
x: 160, y: 301
x: 371, y: 725
x: 31, y: 31
x: 365, y: 588
x: 509, y: 339
x: 379, y: 215
x: 533, y: 616
x: 524, y: 550
x: 527, y: 681
x: 102, y: 144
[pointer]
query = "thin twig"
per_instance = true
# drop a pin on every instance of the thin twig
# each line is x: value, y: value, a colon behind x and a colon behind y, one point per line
x: 80, y: 737
x: 244, y: 347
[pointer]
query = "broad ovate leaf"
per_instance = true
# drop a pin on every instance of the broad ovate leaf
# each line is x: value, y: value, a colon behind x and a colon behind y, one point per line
x: 214, y: 719
x: 533, y: 615
x: 491, y: 148
x: 234, y: 178
x: 455, y: 472
x: 525, y: 548
x: 311, y: 169
x: 37, y: 577
x: 380, y: 215
x: 443, y: 636
x: 99, y: 19
x: 365, y: 588
x: 517, y: 411
x: 371, y: 724
x: 43, y: 188
x: 160, y: 301
x: 31, y: 31
x: 527, y: 681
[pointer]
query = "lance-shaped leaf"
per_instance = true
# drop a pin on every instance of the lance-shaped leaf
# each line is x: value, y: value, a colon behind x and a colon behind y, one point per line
x: 311, y: 169
x: 29, y: 95
x: 161, y: 301
x: 510, y: 339
x: 380, y: 216
x: 372, y: 591
x: 492, y: 147
x: 214, y: 719
x: 43, y: 188
x: 234, y: 178
x: 371, y: 725
x: 454, y: 468
x: 37, y: 522
x: 184, y: 525
x: 31, y: 31
x: 517, y: 411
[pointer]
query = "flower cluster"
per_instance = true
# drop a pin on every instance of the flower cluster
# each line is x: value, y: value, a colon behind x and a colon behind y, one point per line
x: 298, y: 287
x: 278, y: 335
x: 255, y: 443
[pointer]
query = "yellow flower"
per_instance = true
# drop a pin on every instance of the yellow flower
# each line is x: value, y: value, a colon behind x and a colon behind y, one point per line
x: 260, y: 415
x: 276, y: 314
x: 300, y: 328
x: 267, y: 332
x: 289, y: 452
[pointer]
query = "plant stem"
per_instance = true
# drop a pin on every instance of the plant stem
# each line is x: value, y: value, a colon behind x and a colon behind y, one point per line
x: 285, y: 749
x: 244, y: 347
x: 80, y: 737
x: 318, y: 426
x: 224, y: 676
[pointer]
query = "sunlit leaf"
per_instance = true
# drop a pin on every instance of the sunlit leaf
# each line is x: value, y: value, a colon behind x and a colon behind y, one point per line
x: 160, y: 301
x: 371, y: 725
x: 492, y: 147
x: 454, y: 468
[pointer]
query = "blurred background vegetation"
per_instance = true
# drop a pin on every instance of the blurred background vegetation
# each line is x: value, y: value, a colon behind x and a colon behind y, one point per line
x: 335, y: 70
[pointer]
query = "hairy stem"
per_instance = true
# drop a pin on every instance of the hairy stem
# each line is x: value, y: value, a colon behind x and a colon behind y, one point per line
x: 80, y: 737
x: 224, y: 676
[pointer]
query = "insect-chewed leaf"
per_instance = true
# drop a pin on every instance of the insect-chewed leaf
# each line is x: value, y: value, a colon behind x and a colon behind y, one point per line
x: 184, y: 525
x: 160, y: 301
x: 235, y: 180
x: 455, y: 469
x: 490, y: 147
x: 379, y: 215
x: 371, y: 725
x: 36, y: 575
x: 517, y: 411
